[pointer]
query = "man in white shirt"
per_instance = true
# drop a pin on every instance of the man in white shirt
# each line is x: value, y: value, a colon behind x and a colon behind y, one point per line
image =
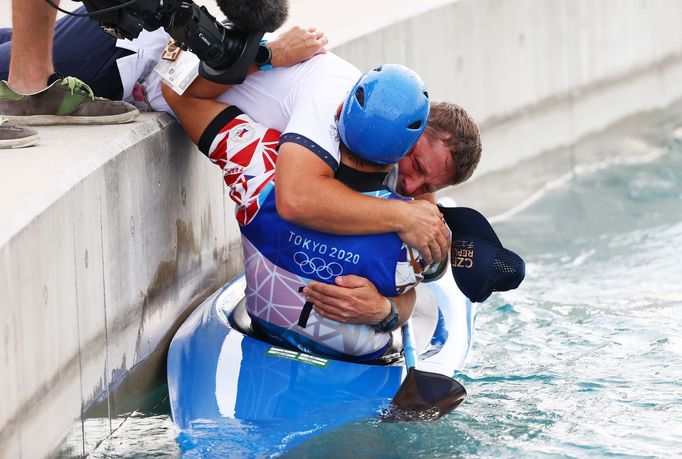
x: 301, y: 102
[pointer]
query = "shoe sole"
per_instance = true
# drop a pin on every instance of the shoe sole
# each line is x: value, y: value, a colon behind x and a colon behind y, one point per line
x: 19, y: 143
x: 51, y: 120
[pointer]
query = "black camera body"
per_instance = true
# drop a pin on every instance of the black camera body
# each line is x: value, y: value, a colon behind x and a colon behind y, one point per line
x: 225, y: 50
x: 129, y: 20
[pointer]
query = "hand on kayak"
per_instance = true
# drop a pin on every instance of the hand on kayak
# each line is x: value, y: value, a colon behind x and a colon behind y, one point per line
x: 297, y: 45
x: 425, y: 229
x: 352, y: 300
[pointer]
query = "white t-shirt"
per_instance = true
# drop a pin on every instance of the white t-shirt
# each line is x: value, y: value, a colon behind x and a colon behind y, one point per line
x: 142, y: 86
x: 299, y: 101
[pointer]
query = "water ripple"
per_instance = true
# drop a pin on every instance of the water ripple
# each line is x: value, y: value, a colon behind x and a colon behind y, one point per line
x: 584, y: 360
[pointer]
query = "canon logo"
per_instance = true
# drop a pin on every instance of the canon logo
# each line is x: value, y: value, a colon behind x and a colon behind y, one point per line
x: 204, y: 39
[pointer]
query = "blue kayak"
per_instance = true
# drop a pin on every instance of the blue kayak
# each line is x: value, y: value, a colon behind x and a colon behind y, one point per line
x: 227, y: 385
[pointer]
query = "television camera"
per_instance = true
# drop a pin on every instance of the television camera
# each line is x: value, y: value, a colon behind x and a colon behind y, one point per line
x: 226, y: 49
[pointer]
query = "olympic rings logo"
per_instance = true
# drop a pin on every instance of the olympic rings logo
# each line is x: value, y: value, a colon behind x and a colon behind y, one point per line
x: 317, y: 265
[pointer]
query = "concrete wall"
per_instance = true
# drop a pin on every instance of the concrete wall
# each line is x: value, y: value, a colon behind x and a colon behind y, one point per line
x: 107, y: 242
x: 537, y: 74
x: 96, y: 281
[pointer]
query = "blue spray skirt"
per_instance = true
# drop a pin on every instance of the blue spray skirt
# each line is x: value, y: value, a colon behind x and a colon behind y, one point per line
x: 228, y: 384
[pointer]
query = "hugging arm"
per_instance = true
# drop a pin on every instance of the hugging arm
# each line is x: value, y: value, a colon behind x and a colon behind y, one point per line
x: 308, y: 195
x: 292, y: 47
x: 355, y: 300
x: 196, y: 108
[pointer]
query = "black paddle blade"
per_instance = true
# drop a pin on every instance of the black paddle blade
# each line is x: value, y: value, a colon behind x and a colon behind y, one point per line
x: 424, y: 396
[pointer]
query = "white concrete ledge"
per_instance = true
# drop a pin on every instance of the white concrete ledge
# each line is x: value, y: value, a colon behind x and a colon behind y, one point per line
x: 110, y: 234
x: 113, y: 232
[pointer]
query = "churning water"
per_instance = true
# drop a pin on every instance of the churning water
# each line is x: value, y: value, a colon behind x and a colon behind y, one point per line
x: 585, y: 359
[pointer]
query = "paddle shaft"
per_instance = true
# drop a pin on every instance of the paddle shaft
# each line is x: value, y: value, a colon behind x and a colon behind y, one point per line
x: 409, y: 347
x: 422, y: 395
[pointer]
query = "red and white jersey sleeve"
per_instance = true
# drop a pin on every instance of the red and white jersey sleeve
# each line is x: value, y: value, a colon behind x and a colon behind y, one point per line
x: 246, y: 152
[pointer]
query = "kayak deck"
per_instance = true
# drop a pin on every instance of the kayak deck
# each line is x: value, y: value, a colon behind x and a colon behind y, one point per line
x: 216, y: 372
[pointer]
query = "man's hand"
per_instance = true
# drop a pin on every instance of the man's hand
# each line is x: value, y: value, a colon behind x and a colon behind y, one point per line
x: 352, y: 300
x: 424, y: 229
x: 297, y: 45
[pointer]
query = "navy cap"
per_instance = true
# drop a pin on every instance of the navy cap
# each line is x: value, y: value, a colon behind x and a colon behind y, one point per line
x: 480, y: 265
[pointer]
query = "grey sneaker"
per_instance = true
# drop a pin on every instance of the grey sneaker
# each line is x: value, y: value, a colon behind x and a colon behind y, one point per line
x: 65, y: 101
x: 12, y: 136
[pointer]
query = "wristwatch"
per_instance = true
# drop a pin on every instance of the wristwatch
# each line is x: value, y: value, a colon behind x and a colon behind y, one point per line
x: 264, y: 56
x: 390, y: 323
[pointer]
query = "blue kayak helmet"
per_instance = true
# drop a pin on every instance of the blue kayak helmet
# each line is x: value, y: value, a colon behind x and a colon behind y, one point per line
x: 384, y: 114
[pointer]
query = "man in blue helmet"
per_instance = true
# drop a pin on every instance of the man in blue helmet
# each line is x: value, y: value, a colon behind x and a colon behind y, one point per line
x: 280, y: 257
x: 302, y: 102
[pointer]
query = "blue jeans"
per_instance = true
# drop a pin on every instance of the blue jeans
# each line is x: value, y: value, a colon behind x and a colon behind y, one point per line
x: 81, y: 50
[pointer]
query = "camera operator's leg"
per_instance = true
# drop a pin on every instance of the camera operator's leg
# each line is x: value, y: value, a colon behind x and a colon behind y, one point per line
x: 33, y: 28
x: 80, y: 49
x: 24, y: 97
x: 31, y: 66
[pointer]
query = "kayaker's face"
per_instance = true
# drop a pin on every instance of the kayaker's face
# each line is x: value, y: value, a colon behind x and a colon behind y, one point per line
x: 426, y: 169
